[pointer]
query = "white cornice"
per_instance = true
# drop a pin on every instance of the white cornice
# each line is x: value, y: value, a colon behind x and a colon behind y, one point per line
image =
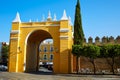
x: 64, y: 30
x: 52, y: 25
x: 14, y: 38
x: 64, y: 37
x: 15, y: 32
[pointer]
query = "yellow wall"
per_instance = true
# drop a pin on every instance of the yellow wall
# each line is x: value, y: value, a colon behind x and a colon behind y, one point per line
x: 48, y: 53
x: 25, y: 41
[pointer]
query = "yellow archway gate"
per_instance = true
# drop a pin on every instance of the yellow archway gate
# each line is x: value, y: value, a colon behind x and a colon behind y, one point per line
x: 25, y: 38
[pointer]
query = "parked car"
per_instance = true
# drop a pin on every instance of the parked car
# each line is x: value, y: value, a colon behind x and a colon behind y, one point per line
x: 50, y: 67
x: 3, y: 68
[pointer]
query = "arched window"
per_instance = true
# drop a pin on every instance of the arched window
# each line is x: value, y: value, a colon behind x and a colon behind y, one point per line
x: 45, y: 57
x: 51, y: 49
x: 45, y: 49
x: 51, y: 56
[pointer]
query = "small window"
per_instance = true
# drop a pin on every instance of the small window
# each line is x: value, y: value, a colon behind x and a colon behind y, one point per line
x: 51, y: 57
x: 45, y: 57
x: 51, y: 49
x: 45, y: 49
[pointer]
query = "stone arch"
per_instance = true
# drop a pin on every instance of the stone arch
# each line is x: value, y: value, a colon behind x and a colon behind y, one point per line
x: 25, y: 38
x: 32, y: 47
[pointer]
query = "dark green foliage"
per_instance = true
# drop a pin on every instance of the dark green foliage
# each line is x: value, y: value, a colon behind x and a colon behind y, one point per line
x: 78, y: 31
x: 77, y: 50
x: 78, y: 34
x: 110, y: 52
x: 5, y: 50
x: 113, y: 50
x: 92, y: 52
x: 103, y: 51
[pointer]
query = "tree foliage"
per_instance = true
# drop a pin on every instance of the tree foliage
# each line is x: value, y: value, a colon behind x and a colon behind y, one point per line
x: 92, y: 52
x: 77, y: 50
x: 78, y: 31
x: 110, y: 52
x: 113, y: 51
x: 5, y: 51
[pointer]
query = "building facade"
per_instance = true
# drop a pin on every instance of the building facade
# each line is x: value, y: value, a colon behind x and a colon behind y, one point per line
x: 25, y: 38
x: 46, y: 53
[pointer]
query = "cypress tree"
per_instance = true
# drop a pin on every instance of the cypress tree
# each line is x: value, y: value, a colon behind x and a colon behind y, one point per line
x: 78, y: 31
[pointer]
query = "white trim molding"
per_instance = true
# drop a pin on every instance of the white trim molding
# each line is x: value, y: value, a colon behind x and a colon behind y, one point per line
x: 64, y: 37
x: 15, y: 32
x: 32, y: 26
x: 14, y: 38
x: 64, y: 30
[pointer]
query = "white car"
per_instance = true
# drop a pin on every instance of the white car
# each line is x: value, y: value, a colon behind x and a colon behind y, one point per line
x: 3, y: 68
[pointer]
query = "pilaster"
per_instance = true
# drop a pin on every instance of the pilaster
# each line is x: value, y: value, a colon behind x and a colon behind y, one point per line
x: 65, y: 40
x: 14, y: 47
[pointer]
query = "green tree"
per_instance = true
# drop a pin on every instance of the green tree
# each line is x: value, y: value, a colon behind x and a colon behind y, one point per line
x: 78, y: 32
x: 5, y: 51
x: 113, y: 52
x: 92, y: 52
x: 78, y: 51
x: 110, y: 52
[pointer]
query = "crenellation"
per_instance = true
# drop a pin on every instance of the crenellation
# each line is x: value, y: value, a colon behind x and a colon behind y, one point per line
x: 97, y: 40
x: 90, y: 40
x: 111, y: 39
x: 103, y: 40
x: 118, y: 40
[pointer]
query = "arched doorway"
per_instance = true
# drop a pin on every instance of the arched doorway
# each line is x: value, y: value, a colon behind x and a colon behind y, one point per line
x: 32, y: 49
x: 46, y: 56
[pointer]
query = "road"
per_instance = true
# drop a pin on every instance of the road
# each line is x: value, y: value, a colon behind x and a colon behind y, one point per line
x: 43, y: 76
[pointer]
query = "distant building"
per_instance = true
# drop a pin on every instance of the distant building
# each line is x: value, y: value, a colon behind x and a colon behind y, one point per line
x: 46, y: 53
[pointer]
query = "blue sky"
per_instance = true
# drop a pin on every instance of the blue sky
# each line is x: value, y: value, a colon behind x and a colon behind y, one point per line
x: 99, y: 17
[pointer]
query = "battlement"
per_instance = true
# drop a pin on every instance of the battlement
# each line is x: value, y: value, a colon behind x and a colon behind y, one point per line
x: 103, y: 40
